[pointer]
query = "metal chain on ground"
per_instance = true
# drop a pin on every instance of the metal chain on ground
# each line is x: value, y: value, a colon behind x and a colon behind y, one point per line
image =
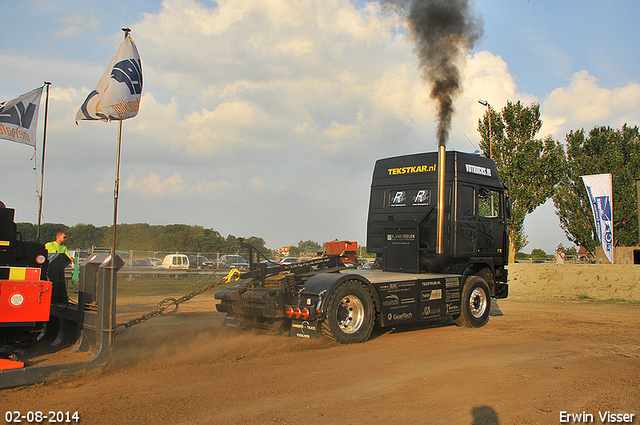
x: 163, y: 305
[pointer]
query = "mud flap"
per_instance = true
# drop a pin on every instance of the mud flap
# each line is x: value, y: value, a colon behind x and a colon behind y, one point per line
x: 304, y: 329
x: 231, y: 320
x: 495, y: 310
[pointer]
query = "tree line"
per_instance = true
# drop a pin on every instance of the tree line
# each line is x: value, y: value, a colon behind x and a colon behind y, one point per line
x: 536, y: 169
x: 160, y: 238
x: 142, y: 237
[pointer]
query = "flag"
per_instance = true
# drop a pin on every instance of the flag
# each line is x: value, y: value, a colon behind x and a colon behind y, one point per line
x: 599, y: 188
x: 76, y: 270
x: 19, y: 118
x: 117, y: 95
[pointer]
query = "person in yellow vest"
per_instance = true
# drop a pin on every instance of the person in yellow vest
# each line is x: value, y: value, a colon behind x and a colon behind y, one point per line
x: 57, y: 245
x: 59, y: 294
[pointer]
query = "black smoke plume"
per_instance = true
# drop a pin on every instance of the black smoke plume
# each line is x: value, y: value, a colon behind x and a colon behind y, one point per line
x: 445, y: 32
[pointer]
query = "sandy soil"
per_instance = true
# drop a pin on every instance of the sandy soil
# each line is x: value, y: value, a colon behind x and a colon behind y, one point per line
x: 555, y: 349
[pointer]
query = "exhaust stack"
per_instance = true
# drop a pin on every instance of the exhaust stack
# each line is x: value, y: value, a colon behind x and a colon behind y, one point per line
x: 440, y: 202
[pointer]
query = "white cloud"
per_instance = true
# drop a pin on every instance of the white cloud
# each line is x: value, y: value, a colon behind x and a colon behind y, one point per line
x: 586, y: 104
x: 77, y: 24
x: 259, y: 183
x: 155, y: 186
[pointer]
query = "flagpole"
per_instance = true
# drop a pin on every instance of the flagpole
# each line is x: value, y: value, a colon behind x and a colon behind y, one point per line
x: 115, y: 205
x: 44, y: 143
x: 613, y: 255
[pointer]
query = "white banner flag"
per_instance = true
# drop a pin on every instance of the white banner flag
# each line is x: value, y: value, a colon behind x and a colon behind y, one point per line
x: 599, y: 188
x: 117, y: 95
x: 19, y: 118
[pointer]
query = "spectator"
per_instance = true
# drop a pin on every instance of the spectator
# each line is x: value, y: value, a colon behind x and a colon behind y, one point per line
x: 560, y: 256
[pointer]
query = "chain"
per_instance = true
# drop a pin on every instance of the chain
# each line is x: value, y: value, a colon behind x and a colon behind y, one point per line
x: 173, y: 303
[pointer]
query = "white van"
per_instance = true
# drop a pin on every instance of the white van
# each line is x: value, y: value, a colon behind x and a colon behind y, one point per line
x: 175, y: 261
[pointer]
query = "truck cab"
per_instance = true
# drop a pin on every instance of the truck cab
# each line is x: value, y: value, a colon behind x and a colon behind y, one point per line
x: 402, y: 221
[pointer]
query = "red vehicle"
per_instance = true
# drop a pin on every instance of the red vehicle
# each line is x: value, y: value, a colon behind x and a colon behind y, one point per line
x: 25, y: 303
x: 347, y: 250
x: 25, y: 293
x: 37, y: 318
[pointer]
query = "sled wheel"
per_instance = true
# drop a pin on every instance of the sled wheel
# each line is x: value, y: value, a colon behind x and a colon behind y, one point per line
x: 475, y: 303
x: 349, y: 314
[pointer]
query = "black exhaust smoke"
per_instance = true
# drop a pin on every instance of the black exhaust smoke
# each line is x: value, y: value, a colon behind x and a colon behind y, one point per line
x: 445, y: 31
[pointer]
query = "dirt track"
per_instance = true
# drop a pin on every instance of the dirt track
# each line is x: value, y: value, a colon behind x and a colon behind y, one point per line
x: 540, y: 358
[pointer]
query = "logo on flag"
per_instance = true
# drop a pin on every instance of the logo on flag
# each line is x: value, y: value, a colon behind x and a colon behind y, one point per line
x: 19, y: 118
x: 599, y: 190
x: 117, y: 95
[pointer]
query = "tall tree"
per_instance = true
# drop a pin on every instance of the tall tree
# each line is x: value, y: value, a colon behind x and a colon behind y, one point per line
x: 603, y: 151
x: 529, y: 166
x: 259, y: 244
x: 309, y: 245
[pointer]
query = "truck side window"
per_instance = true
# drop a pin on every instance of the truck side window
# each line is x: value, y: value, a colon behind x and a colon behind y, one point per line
x: 466, y: 198
x: 488, y: 203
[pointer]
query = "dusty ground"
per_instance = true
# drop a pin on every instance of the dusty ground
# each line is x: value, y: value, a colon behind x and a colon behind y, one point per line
x: 562, y: 351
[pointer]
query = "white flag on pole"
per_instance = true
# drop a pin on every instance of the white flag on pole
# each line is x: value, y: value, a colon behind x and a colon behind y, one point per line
x: 599, y: 187
x: 19, y: 118
x: 117, y: 95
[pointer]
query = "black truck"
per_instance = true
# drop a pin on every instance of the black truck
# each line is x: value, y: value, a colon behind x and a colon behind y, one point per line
x: 437, y: 224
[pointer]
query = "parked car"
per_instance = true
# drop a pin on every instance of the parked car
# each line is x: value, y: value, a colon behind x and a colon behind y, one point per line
x: 141, y: 263
x: 369, y: 265
x: 175, y: 261
x: 209, y: 264
x: 289, y: 260
x: 197, y: 261
x: 270, y: 263
x: 232, y: 261
x: 155, y: 262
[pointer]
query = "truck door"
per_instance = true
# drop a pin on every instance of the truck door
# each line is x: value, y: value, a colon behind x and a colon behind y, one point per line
x: 491, y: 221
x: 467, y: 221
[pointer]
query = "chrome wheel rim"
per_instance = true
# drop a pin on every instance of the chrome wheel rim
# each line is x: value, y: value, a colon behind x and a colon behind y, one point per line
x: 350, y: 314
x: 478, y: 303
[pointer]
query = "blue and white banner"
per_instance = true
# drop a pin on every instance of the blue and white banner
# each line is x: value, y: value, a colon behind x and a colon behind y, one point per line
x: 117, y: 95
x: 19, y: 118
x: 599, y: 187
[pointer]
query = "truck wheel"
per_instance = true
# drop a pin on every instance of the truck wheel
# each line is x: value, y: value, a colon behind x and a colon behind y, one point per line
x: 474, y: 304
x: 349, y: 314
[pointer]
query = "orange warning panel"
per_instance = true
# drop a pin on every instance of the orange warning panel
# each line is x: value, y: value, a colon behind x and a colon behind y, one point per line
x: 10, y: 364
x: 25, y: 301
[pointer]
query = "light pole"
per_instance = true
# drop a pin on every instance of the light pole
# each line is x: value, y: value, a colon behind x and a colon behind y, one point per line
x: 485, y: 103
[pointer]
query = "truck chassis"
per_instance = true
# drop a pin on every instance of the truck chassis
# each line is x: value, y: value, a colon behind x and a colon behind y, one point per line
x: 319, y: 296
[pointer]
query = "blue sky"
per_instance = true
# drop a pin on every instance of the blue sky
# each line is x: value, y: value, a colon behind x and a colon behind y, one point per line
x: 545, y: 43
x: 265, y: 117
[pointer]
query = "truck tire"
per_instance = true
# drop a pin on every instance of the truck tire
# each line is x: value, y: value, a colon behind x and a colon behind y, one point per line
x: 475, y: 303
x: 349, y: 314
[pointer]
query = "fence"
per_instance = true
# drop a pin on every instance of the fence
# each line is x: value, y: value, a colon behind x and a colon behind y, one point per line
x: 210, y: 259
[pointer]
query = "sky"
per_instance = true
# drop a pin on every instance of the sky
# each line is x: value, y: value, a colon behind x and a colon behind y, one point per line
x: 265, y: 117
